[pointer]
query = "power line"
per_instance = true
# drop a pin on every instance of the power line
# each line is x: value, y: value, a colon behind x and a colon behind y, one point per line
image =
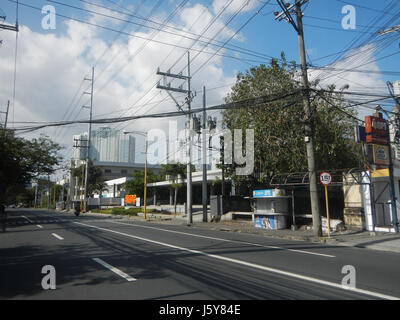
x: 251, y: 102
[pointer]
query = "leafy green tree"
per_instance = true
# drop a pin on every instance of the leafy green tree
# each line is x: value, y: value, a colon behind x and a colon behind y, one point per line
x: 136, y: 185
x: 23, y: 160
x: 174, y: 172
x: 278, y: 127
x: 95, y: 183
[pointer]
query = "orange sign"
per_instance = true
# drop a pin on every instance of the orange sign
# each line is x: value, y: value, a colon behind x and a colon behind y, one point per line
x: 375, y: 126
x: 130, y: 199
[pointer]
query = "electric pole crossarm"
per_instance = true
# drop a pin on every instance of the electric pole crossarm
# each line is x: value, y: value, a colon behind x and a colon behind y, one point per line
x: 285, y: 11
x: 172, y: 89
x: 392, y: 29
x: 171, y: 75
x: 10, y: 28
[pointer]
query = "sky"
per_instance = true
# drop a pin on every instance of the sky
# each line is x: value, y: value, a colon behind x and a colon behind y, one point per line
x: 127, y: 40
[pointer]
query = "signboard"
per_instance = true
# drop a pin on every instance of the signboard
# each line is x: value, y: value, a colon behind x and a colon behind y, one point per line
x: 268, y: 193
x: 360, y: 134
x: 376, y: 139
x: 380, y: 173
x: 381, y: 155
x: 130, y: 199
x: 375, y: 126
x: 325, y: 178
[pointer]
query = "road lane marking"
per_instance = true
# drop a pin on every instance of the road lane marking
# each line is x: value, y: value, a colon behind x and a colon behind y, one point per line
x: 57, y: 236
x: 115, y: 270
x: 227, y: 240
x: 27, y: 219
x: 39, y: 226
x: 252, y: 265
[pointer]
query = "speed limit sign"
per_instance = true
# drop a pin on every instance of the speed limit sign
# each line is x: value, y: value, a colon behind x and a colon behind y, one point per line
x: 325, y: 178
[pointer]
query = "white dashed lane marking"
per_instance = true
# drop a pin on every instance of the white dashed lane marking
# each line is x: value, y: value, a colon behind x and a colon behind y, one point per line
x: 115, y: 270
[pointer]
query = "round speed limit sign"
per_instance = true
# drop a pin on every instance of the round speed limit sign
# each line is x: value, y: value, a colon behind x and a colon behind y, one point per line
x: 325, y: 178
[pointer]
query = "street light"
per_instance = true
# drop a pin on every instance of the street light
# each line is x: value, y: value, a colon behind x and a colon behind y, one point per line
x: 144, y: 134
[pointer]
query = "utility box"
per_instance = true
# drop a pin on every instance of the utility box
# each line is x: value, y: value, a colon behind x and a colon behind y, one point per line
x: 271, y: 209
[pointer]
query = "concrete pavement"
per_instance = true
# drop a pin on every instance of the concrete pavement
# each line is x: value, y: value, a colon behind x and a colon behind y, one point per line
x: 103, y: 257
x: 362, y: 239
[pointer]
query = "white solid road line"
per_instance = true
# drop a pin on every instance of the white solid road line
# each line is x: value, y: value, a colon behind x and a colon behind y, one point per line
x: 226, y: 240
x: 57, y: 236
x: 115, y: 270
x: 253, y: 265
x: 27, y: 219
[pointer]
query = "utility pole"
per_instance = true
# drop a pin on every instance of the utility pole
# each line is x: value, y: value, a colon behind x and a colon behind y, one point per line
x: 89, y: 133
x: 167, y: 86
x: 35, y: 205
x: 204, y: 183
x: 49, y: 188
x: 391, y: 174
x: 287, y: 9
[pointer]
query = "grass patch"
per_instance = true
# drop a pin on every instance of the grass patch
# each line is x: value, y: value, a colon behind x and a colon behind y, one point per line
x: 121, y: 211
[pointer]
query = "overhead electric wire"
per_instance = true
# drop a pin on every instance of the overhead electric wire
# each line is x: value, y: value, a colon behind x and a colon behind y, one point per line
x: 247, y: 103
x: 215, y: 42
x: 251, y: 102
x: 204, y: 30
x: 373, y: 23
x: 226, y: 24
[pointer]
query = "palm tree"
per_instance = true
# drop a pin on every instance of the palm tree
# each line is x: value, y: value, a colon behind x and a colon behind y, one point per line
x: 174, y: 172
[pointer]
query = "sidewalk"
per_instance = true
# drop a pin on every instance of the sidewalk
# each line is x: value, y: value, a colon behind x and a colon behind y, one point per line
x: 361, y: 239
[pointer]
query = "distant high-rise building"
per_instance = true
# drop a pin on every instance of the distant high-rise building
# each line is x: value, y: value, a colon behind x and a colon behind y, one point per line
x: 106, y: 145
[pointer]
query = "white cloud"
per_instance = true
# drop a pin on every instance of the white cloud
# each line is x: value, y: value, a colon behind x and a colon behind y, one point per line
x: 233, y: 6
x: 52, y: 66
x: 366, y: 81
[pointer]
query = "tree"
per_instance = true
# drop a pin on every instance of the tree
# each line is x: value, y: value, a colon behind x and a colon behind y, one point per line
x: 174, y: 172
x: 23, y: 160
x: 95, y: 181
x: 278, y: 129
x: 136, y: 185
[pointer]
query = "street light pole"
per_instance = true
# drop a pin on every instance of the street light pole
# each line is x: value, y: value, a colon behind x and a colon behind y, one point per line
x: 144, y: 134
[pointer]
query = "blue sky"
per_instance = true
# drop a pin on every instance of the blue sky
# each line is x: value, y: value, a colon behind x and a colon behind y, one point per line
x: 263, y: 34
x: 52, y: 64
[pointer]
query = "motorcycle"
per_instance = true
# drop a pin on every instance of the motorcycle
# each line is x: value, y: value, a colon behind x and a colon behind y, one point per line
x: 77, y: 211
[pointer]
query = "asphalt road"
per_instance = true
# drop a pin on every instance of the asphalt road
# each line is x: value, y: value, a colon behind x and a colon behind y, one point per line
x: 108, y: 258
